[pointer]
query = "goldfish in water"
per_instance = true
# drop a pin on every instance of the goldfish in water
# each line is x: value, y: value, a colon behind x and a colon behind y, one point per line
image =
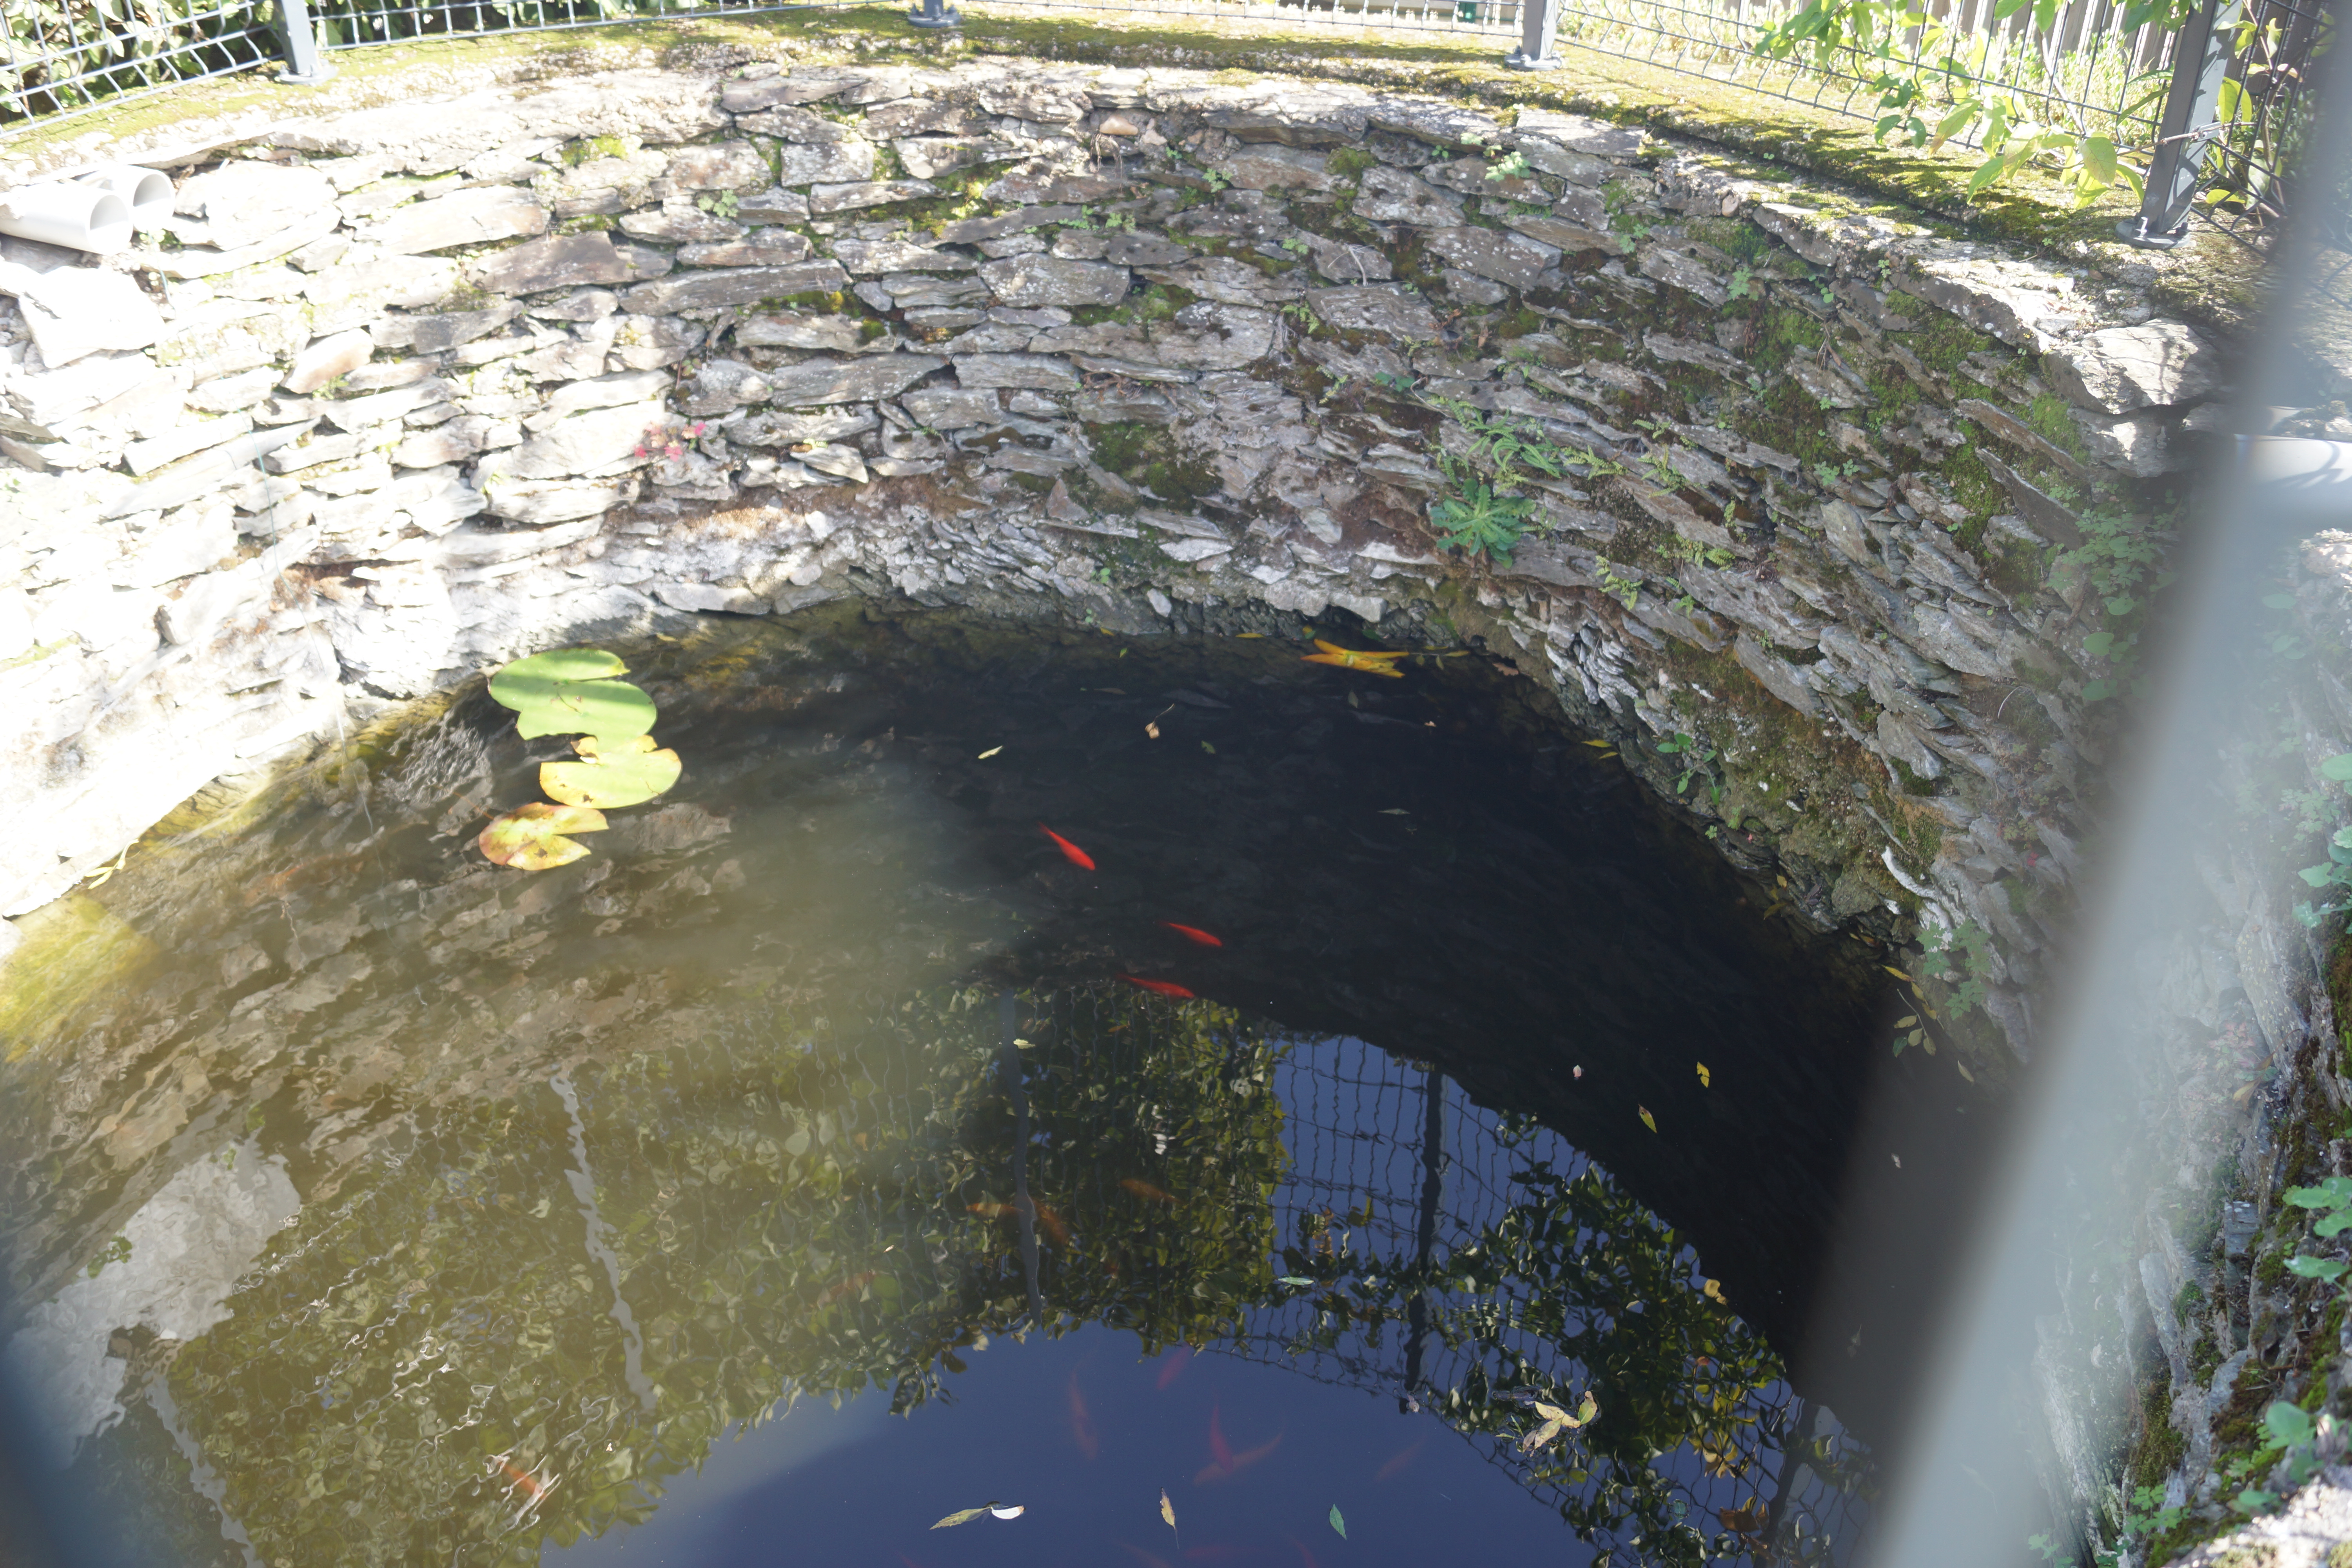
x: 1370, y: 663
x: 1143, y: 1189
x: 521, y: 1481
x: 1082, y: 1422
x: 1193, y: 933
x: 1053, y: 1223
x: 1222, y: 1461
x: 1158, y: 987
x: 1070, y: 852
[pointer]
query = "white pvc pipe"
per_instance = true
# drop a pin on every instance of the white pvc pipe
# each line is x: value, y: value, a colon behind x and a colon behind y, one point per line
x: 145, y: 192
x: 81, y: 217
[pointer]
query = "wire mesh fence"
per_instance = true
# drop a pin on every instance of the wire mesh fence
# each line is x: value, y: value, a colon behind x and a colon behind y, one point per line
x: 2267, y: 110
x: 1394, y: 1176
x: 66, y: 57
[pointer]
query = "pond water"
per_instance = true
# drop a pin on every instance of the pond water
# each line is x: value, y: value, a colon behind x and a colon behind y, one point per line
x: 831, y: 1151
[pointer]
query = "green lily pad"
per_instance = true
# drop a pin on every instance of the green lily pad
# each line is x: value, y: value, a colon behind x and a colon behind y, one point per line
x: 567, y: 692
x: 611, y: 775
x: 611, y: 708
x: 527, y: 682
x: 530, y: 837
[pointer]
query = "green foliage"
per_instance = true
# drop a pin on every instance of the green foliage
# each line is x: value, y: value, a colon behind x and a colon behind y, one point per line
x: 1473, y: 518
x: 2336, y: 872
x: 1626, y: 588
x: 1626, y: 211
x: 1961, y: 959
x: 1698, y: 763
x: 719, y: 204
x: 115, y: 1251
x: 1937, y: 84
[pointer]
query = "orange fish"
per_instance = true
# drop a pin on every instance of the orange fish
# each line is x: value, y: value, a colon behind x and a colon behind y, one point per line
x: 521, y: 1479
x: 1306, y: 1557
x: 850, y: 1287
x: 1143, y: 1189
x: 1158, y: 987
x: 1076, y: 855
x: 1223, y: 1462
x: 992, y: 1211
x: 1053, y: 1223
x: 1389, y: 1471
x: 1082, y: 1422
x: 1177, y: 1359
x: 1358, y: 658
x: 1193, y: 933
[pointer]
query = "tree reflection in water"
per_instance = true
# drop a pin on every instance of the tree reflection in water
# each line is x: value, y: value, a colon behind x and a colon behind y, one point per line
x: 430, y: 1366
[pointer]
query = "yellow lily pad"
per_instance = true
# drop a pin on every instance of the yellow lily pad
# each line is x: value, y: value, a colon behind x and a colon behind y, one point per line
x: 530, y: 837
x: 611, y: 772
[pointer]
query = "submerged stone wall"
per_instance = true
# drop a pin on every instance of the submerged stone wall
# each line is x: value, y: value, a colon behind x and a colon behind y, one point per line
x: 1835, y: 522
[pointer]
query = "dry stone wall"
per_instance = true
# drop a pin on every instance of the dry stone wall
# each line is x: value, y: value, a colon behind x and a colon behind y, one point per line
x: 1831, y: 517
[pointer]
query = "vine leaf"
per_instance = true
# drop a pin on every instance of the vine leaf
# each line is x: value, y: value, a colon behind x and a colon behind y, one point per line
x: 612, y: 773
x: 531, y: 837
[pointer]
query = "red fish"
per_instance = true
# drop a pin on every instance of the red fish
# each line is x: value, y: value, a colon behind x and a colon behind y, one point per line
x: 1305, y: 1558
x: 1177, y: 1359
x: 1158, y: 987
x: 1053, y: 1223
x: 1071, y: 852
x: 850, y: 1287
x: 1193, y: 933
x: 1143, y: 1189
x: 1082, y: 1422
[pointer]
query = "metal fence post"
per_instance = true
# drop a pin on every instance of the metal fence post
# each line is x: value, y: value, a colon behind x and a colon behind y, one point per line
x: 935, y: 15
x: 2201, y: 57
x: 1538, y: 26
x: 303, y: 68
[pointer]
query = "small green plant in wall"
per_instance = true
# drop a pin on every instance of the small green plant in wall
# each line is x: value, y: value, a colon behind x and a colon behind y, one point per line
x: 2334, y: 874
x: 571, y: 691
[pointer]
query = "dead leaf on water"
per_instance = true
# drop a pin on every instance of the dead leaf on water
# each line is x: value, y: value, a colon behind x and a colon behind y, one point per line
x: 1152, y: 730
x: 1713, y: 1290
x: 530, y: 837
x: 988, y: 754
x: 1647, y: 1120
x: 966, y: 1515
x: 1167, y: 1509
x: 1899, y: 974
x: 1706, y: 1079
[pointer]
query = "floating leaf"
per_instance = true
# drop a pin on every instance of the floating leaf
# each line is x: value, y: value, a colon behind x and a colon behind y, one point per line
x: 530, y: 837
x: 612, y: 774
x: 528, y: 682
x: 1167, y: 1509
x: 1647, y: 1120
x: 966, y: 1515
x: 1369, y: 662
x: 1587, y: 1409
x: 1542, y: 1435
x: 1151, y: 728
x: 1339, y: 1523
x: 1899, y: 974
x: 988, y: 754
x: 1909, y: 1020
x: 1713, y: 1290
x: 1009, y: 1511
x: 1297, y: 1282
x: 612, y: 708
x: 1706, y: 1079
